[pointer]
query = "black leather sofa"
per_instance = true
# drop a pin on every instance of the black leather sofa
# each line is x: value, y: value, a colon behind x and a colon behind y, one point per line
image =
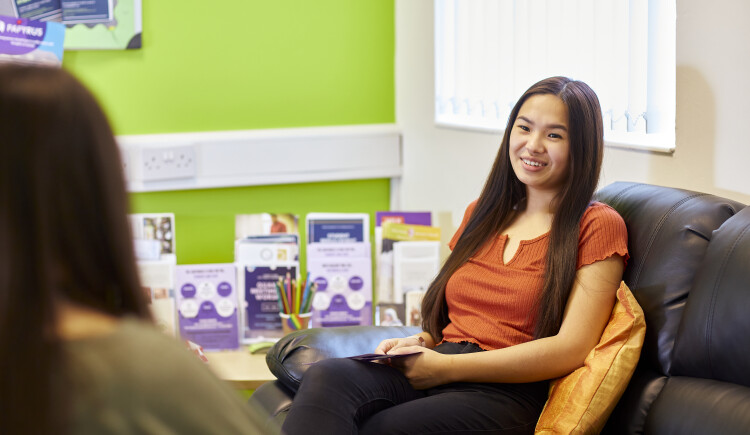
x: 690, y: 272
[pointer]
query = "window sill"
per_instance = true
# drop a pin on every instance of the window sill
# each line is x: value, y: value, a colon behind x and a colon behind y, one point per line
x: 655, y: 143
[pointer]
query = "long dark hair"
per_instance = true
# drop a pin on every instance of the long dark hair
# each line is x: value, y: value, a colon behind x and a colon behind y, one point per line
x: 63, y: 236
x: 503, y: 191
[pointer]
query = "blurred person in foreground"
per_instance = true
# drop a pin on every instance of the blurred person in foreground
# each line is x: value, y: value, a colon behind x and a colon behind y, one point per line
x: 78, y: 349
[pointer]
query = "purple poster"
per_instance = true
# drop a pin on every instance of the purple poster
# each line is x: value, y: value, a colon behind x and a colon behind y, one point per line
x: 30, y: 41
x: 343, y: 274
x: 206, y: 298
x: 403, y: 217
x: 262, y: 301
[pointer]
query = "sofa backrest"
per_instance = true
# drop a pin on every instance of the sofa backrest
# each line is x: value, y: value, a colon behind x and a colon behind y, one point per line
x: 714, y: 337
x: 709, y: 387
x: 669, y: 231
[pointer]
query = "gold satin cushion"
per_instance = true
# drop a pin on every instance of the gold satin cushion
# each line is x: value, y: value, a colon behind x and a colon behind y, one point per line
x: 581, y: 402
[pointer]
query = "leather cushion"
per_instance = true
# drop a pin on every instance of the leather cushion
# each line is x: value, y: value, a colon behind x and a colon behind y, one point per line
x: 714, y: 336
x: 700, y: 406
x: 668, y: 234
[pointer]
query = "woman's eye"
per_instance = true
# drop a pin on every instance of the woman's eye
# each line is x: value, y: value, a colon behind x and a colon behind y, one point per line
x: 555, y: 136
x: 524, y: 128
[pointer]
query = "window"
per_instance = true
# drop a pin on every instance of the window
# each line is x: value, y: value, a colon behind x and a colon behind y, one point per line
x: 488, y: 52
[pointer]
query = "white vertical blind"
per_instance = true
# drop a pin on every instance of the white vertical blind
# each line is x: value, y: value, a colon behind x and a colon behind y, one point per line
x: 487, y: 52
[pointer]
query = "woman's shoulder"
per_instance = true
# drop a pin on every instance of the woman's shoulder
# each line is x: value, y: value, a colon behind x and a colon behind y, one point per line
x: 603, y: 233
x: 139, y: 371
x: 601, y: 218
x: 598, y: 211
x: 133, y: 344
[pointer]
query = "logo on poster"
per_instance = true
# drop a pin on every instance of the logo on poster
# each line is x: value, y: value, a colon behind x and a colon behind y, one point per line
x: 25, y: 30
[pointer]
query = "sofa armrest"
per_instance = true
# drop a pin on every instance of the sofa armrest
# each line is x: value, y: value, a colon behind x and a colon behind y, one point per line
x: 290, y: 357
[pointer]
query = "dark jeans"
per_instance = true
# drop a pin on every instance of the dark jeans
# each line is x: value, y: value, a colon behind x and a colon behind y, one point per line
x: 343, y: 396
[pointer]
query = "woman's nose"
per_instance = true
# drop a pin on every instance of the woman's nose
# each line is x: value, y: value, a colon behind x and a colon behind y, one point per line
x: 535, y: 144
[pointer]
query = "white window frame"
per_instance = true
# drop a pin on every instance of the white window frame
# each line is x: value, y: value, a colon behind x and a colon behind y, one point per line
x: 642, y: 44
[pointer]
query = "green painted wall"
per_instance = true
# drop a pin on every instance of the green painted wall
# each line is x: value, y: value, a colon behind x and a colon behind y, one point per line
x: 249, y: 64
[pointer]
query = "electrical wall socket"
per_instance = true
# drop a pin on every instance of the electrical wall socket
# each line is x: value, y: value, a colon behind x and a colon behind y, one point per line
x: 168, y: 163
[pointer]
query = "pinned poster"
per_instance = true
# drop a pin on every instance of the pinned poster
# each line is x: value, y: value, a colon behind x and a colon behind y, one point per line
x: 86, y: 11
x: 42, y: 10
x: 29, y: 41
x: 92, y: 30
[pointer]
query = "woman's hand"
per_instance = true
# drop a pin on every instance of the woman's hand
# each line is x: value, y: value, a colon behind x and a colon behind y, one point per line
x: 424, y: 370
x: 390, y: 344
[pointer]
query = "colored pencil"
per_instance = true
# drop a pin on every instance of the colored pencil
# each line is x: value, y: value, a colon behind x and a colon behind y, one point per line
x: 284, y: 300
x: 308, y: 304
x: 279, y: 299
x: 289, y: 291
x: 305, y: 294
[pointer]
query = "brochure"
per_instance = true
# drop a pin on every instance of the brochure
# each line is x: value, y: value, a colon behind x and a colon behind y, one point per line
x: 157, y: 282
x: 415, y: 265
x: 403, y: 217
x: 267, y: 251
x: 338, y: 227
x: 389, y: 314
x: 29, y: 41
x: 207, y: 305
x: 379, y: 356
x: 392, y: 233
x: 413, y: 307
x: 398, y: 217
x: 154, y: 236
x: 265, y: 224
x: 261, y: 320
x: 343, y: 274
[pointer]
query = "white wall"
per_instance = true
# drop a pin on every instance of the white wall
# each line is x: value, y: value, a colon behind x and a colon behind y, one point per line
x: 445, y: 169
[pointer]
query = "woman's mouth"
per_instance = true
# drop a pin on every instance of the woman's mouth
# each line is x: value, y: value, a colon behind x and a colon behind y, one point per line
x: 533, y: 163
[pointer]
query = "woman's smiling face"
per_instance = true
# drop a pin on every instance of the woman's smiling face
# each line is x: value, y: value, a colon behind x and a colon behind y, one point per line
x: 539, y: 143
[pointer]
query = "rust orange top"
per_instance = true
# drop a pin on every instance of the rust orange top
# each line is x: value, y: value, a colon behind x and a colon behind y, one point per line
x: 493, y: 304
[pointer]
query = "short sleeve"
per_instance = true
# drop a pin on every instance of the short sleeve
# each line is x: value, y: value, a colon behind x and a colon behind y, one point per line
x: 603, y: 234
x: 460, y: 230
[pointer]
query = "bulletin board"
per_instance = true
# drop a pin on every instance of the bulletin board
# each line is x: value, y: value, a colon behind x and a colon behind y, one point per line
x: 123, y: 32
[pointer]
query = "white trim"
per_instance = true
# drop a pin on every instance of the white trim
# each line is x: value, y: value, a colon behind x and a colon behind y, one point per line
x: 272, y: 156
x: 470, y: 128
x: 657, y: 143
x: 631, y: 141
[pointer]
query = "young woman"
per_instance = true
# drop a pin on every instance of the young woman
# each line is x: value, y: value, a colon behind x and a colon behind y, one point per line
x: 78, y: 351
x: 523, y: 297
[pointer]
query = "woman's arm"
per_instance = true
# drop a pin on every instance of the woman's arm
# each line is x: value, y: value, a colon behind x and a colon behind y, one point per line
x: 586, y: 314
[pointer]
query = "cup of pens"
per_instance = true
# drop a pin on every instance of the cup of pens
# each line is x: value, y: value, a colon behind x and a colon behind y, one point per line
x: 295, y: 303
